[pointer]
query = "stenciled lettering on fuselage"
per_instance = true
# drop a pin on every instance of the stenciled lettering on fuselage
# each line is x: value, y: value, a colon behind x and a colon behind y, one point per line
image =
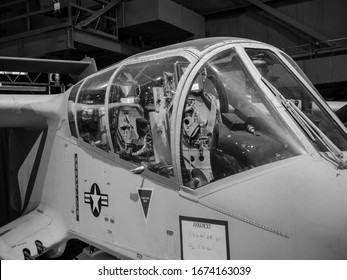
x: 96, y: 199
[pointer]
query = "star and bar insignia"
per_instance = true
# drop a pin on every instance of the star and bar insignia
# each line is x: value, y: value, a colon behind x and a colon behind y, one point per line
x: 96, y: 199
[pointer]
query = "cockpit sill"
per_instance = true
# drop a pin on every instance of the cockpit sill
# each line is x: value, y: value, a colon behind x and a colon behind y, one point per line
x: 295, y: 167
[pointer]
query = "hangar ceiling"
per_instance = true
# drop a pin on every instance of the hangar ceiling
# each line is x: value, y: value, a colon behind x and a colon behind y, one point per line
x: 312, y: 31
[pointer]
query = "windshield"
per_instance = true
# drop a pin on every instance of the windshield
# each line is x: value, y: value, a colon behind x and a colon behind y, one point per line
x: 277, y: 73
x: 228, y: 125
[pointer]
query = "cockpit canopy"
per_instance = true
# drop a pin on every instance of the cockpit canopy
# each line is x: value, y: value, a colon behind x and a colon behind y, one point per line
x: 225, y: 122
x: 126, y: 110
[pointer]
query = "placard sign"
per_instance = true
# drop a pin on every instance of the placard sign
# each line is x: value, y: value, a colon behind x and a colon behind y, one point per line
x: 204, y: 239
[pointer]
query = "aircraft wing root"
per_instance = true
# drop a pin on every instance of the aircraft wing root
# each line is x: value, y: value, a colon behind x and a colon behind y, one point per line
x: 32, y: 235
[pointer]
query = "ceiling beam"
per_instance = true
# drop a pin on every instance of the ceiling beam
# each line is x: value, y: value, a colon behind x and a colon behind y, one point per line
x: 11, y: 3
x: 102, y: 1
x: 99, y: 13
x: 316, y: 36
x: 210, y: 10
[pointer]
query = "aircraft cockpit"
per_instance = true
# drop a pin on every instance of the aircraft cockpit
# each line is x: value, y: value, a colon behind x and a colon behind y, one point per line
x: 223, y: 121
x: 228, y: 125
x: 127, y: 111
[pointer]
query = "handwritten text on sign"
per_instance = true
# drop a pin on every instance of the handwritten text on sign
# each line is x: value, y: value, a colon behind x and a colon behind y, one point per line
x: 203, y: 240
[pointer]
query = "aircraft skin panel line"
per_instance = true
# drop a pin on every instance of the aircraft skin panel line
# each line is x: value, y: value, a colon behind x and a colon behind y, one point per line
x: 123, y: 251
x: 248, y: 221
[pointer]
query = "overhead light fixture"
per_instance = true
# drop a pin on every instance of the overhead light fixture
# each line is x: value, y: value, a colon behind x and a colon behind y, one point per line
x: 13, y: 73
x: 56, y: 6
